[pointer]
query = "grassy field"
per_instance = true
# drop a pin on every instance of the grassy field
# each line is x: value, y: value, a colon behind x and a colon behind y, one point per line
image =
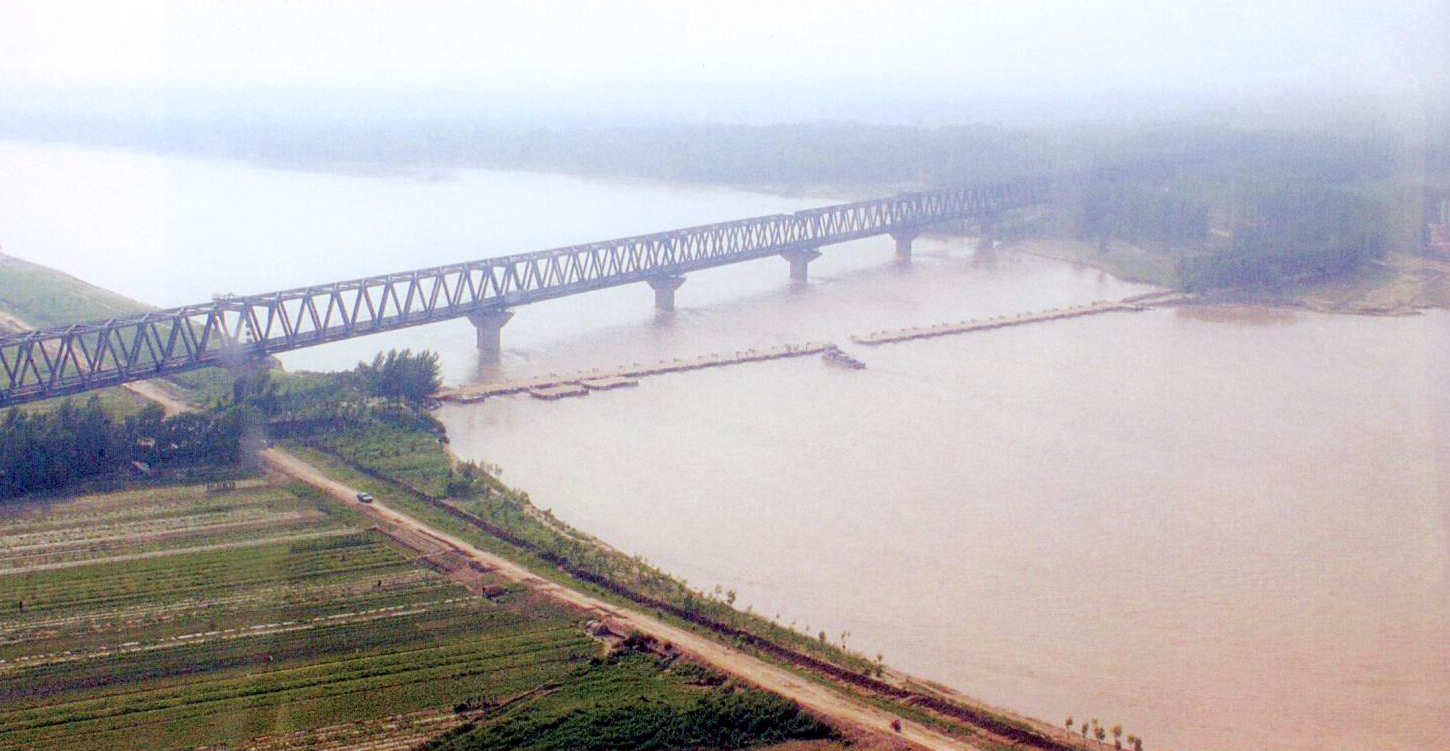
x: 186, y: 616
x: 1123, y: 260
x: 175, y: 616
x: 512, y: 512
x: 45, y: 297
x: 397, y: 471
x: 266, y: 616
x: 260, y: 614
x: 414, y: 457
x: 35, y: 296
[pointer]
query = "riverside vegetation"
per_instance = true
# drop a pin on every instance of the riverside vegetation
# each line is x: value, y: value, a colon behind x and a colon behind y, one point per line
x: 177, y: 615
x: 134, y: 616
x: 209, y: 603
x: 1240, y: 215
x: 1205, y: 212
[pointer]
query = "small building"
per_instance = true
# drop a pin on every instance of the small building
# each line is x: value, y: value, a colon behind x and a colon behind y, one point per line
x: 1439, y: 245
x: 1437, y: 225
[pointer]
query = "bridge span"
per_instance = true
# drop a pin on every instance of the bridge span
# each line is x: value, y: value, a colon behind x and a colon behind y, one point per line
x: 232, y: 330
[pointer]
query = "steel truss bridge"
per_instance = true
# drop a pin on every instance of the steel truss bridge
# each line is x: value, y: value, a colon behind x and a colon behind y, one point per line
x: 234, y: 330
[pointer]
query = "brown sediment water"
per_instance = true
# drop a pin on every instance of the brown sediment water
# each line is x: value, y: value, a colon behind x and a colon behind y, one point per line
x: 1216, y: 532
x: 997, y: 322
x: 1212, y: 531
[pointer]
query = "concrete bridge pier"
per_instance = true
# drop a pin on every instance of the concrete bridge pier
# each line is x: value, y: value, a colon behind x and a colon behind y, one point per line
x: 488, y: 324
x: 664, y: 287
x: 799, y: 259
x: 988, y: 230
x: 903, y: 240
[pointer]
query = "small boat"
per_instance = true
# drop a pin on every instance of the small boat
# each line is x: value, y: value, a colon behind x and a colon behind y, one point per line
x: 835, y: 356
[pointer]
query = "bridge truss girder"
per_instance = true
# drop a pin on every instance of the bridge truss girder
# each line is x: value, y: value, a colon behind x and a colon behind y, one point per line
x: 52, y: 362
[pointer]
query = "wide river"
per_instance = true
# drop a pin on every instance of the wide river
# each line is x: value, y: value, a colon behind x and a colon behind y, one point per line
x: 1222, y: 529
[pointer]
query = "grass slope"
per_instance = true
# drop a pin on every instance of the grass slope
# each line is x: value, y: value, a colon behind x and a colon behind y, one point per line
x: 45, y: 297
x: 36, y: 296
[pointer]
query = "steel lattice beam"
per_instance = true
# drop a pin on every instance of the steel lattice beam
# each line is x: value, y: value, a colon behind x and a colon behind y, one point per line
x: 57, y: 361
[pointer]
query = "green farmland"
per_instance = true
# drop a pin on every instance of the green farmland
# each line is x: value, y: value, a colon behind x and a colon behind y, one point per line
x: 260, y: 616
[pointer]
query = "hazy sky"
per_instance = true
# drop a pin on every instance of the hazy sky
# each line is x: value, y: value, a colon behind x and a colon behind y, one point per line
x: 840, y: 49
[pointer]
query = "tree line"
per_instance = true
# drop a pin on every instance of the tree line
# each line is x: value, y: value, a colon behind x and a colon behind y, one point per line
x: 47, y: 450
x: 75, y: 442
x: 798, y: 155
x: 1292, y: 232
x: 1122, y: 210
x: 1269, y: 210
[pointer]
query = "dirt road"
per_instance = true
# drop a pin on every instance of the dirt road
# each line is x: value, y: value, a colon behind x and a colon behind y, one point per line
x: 823, y: 701
x: 830, y: 704
x: 156, y: 391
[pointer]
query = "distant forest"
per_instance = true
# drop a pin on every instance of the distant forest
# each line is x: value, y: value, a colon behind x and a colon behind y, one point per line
x: 1233, y: 206
x: 793, y: 155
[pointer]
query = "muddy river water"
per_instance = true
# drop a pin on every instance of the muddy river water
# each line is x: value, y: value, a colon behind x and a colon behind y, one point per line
x: 1220, y: 528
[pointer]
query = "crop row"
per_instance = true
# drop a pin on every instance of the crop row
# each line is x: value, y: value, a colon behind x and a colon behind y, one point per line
x: 172, y: 531
x: 12, y: 540
x: 134, y: 504
x: 186, y: 574
x: 269, y: 679
x: 177, y: 542
x: 132, y: 663
x: 396, y: 732
x: 314, y: 594
x: 302, y: 696
x: 237, y: 621
x: 276, y: 559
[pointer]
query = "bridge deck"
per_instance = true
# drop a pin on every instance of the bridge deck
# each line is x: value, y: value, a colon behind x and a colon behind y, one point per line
x: 53, y: 362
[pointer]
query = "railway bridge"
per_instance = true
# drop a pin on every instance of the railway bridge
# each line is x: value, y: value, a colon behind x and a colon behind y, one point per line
x: 233, y: 330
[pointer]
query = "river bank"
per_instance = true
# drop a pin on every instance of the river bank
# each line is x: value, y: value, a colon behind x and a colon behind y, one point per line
x: 942, y: 721
x: 994, y: 514
x: 1128, y: 517
x: 1398, y: 285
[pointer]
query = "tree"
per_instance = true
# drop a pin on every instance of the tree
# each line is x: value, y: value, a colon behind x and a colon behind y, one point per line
x: 1068, y: 722
x: 1118, y: 736
x: 1290, y: 232
x: 401, y: 375
x: 258, y: 390
x: 1114, y: 208
x: 50, y: 450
